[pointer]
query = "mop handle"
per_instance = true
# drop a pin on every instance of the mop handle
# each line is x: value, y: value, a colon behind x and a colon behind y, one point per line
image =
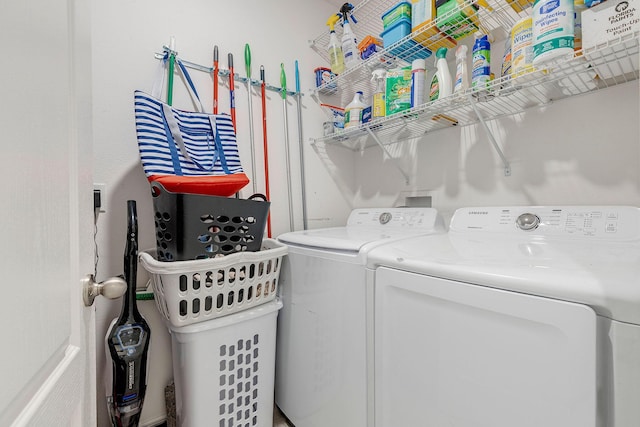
x: 263, y: 93
x: 215, y: 79
x: 297, y: 71
x: 232, y: 95
x: 283, y: 82
x: 301, y: 149
x: 247, y: 64
x: 172, y: 66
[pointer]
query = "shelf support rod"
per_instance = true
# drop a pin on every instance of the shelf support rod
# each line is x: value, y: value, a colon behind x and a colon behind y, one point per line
x: 507, y: 167
x: 386, y: 152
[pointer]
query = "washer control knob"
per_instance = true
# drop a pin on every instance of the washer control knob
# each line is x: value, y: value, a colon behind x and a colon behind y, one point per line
x: 384, y: 218
x: 528, y: 221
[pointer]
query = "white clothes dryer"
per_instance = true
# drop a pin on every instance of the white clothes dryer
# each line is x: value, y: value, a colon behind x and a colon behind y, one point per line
x: 517, y: 317
x: 324, y: 344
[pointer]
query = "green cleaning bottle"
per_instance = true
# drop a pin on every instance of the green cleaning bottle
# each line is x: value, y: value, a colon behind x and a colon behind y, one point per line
x: 335, y: 51
x: 441, y: 80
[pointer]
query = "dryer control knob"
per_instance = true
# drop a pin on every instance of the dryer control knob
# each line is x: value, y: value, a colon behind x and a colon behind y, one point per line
x: 528, y: 221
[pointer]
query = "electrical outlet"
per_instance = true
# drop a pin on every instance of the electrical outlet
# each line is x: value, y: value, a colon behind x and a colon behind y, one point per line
x: 102, y: 196
x: 415, y: 198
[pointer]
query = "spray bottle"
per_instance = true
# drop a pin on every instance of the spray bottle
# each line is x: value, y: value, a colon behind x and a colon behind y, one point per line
x: 379, y: 76
x: 349, y: 42
x: 127, y: 342
x: 462, y: 70
x: 335, y: 51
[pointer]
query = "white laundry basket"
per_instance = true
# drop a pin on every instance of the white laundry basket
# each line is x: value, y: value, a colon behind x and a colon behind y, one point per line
x: 188, y: 292
x: 224, y: 369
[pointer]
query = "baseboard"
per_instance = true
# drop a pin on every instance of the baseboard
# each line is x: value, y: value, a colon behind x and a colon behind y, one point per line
x: 158, y: 422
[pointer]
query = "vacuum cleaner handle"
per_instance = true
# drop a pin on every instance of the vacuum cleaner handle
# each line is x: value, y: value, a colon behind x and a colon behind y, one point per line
x: 131, y: 247
x: 128, y: 341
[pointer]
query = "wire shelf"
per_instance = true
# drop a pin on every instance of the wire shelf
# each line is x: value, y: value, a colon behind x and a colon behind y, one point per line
x: 605, y: 65
x: 491, y: 19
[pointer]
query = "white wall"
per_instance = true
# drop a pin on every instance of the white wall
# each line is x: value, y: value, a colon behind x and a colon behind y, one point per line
x: 581, y: 150
x: 584, y: 150
x: 126, y: 35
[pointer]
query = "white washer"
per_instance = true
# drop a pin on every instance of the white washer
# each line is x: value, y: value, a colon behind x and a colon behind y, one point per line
x: 518, y: 316
x: 325, y: 328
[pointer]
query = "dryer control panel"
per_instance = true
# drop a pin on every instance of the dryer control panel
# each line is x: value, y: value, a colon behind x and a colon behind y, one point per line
x: 419, y: 218
x: 620, y: 223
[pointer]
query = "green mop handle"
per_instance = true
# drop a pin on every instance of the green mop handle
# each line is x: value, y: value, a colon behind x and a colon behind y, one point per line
x: 283, y: 81
x: 172, y: 65
x: 247, y: 62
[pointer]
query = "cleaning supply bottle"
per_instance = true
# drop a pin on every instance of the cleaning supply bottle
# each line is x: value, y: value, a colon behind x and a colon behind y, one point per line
x: 481, y: 59
x: 462, y: 70
x: 335, y: 50
x: 418, y: 82
x: 354, y: 110
x: 378, y: 77
x: 349, y: 42
x: 505, y: 70
x: 578, y: 8
x: 441, y: 80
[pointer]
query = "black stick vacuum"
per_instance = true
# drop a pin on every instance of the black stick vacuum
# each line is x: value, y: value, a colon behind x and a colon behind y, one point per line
x: 128, y: 341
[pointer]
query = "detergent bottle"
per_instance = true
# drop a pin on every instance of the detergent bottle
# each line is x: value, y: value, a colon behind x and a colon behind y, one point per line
x: 349, y: 42
x: 441, y: 80
x: 378, y: 77
x: 353, y: 112
x: 335, y: 50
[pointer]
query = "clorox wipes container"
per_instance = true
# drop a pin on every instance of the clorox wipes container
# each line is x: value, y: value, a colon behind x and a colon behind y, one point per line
x: 553, y: 29
x: 522, y: 47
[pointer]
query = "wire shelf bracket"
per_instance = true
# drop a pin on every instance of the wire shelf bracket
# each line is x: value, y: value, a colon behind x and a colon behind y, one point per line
x: 505, y: 162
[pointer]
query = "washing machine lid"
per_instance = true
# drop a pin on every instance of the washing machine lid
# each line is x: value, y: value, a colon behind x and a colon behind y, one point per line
x: 587, y: 254
x: 366, y: 227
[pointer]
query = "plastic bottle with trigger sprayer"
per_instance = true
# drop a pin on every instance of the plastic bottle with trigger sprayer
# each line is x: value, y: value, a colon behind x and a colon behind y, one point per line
x: 462, y: 70
x: 349, y: 42
x: 335, y: 50
x: 378, y: 77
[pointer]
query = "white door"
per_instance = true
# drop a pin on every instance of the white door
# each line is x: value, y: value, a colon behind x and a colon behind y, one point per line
x: 47, y: 363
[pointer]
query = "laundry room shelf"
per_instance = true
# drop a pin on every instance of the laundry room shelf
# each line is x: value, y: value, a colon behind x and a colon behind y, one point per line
x: 494, y: 18
x: 574, y: 75
x: 606, y: 65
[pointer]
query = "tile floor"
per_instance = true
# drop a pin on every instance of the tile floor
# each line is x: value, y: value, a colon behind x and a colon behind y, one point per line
x: 279, y: 420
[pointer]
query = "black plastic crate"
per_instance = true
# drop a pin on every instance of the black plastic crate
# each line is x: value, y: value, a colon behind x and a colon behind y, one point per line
x: 195, y: 226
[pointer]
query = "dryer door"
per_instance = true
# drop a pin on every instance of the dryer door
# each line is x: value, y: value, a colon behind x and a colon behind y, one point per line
x: 453, y: 354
